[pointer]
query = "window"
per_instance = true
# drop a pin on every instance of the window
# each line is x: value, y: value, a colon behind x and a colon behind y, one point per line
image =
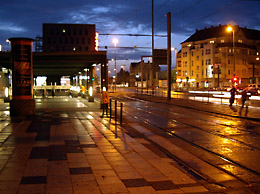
x: 229, y: 72
x: 198, y: 58
x: 184, y: 54
x: 83, y: 40
x: 191, y: 63
x: 222, y: 41
x: 240, y: 41
x: 244, y: 62
x: 198, y: 68
x: 202, y: 62
x: 86, y: 31
x: 208, y: 62
x: 71, y: 40
x: 207, y: 51
x: 202, y: 72
x: 192, y: 72
x: 229, y: 61
x: 192, y: 53
x: 212, y: 41
x: 202, y: 52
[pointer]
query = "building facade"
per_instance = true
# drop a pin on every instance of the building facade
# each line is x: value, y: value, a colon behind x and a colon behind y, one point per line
x: 69, y: 37
x: 148, y: 70
x: 212, y: 57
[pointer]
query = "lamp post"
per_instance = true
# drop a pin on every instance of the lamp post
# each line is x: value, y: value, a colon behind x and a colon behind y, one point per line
x: 115, y: 41
x: 257, y: 59
x: 230, y: 29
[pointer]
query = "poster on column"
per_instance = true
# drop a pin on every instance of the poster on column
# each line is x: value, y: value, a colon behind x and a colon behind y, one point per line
x: 22, y: 70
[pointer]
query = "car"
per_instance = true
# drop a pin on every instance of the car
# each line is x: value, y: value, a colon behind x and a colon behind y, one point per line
x: 254, y: 89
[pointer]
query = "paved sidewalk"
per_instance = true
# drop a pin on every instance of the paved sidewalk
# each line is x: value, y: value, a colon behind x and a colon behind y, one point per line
x: 68, y: 148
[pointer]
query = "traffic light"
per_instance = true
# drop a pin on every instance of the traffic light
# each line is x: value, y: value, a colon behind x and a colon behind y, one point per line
x: 235, y: 80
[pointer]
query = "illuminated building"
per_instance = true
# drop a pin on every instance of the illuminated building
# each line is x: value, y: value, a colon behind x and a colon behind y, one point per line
x: 212, y: 57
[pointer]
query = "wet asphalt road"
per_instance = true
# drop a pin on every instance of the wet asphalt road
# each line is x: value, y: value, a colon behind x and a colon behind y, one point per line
x: 228, y: 143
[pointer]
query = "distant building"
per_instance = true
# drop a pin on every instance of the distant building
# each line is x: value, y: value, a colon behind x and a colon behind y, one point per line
x: 136, y: 72
x: 68, y: 37
x: 207, y: 58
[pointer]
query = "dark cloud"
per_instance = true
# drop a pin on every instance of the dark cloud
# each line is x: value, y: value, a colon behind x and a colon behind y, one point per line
x: 25, y: 18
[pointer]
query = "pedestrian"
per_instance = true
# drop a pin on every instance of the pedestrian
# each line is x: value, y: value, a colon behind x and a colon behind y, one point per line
x: 244, y: 98
x: 105, y: 102
x: 232, y: 96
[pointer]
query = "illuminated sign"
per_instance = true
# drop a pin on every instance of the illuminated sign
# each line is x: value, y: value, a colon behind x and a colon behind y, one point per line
x: 96, y: 41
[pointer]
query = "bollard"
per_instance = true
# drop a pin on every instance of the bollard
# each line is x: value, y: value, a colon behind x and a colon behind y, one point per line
x: 110, y: 108
x: 115, y: 120
x: 121, y: 113
x: 115, y: 111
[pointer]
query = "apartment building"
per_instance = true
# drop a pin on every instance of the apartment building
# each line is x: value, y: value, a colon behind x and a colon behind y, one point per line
x: 212, y: 57
x: 69, y: 37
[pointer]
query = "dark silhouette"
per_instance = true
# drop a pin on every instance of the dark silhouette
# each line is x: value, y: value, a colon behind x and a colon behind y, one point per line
x: 244, y: 98
x: 232, y: 96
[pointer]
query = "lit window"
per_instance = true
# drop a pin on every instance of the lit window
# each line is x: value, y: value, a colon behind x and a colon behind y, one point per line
x: 222, y: 41
x: 212, y: 41
x: 189, y: 45
x: 240, y: 41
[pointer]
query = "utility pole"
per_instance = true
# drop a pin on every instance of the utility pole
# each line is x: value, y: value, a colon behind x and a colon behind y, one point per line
x: 169, y: 53
x: 152, y: 29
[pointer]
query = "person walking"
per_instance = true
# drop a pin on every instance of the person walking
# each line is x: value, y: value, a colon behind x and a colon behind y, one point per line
x: 244, y: 98
x: 232, y: 96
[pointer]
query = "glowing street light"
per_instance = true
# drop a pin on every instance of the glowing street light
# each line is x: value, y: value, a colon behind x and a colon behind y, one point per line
x: 230, y: 29
x: 115, y: 41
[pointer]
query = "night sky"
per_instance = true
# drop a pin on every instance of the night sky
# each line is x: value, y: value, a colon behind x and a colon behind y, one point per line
x: 24, y: 18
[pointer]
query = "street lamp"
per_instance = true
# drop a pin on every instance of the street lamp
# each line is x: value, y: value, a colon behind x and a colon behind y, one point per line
x: 257, y: 59
x: 115, y: 41
x: 230, y: 29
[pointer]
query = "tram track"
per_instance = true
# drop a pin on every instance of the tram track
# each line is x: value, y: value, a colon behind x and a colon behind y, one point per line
x: 226, y: 159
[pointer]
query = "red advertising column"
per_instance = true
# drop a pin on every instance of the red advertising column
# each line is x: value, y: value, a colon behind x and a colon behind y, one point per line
x: 22, y: 102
